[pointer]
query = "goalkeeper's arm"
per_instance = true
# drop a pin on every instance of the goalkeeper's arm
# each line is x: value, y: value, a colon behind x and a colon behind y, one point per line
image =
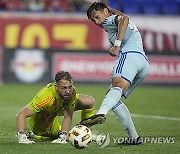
x: 20, y: 124
x: 63, y: 134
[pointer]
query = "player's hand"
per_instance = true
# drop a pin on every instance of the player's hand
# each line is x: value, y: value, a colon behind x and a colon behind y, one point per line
x: 22, y: 138
x: 114, y: 51
x: 62, y: 137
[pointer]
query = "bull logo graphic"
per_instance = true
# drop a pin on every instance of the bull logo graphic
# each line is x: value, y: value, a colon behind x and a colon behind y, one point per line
x: 29, y: 65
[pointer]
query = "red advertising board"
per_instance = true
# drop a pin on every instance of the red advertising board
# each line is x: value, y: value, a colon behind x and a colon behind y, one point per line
x: 164, y: 69
x: 85, y: 67
x: 98, y: 67
x: 49, y: 31
x: 75, y: 31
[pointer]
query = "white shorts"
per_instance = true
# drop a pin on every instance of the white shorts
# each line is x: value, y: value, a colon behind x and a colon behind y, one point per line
x: 133, y: 66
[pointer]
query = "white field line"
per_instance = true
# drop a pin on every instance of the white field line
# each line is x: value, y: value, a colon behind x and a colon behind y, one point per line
x: 150, y: 116
x: 155, y: 117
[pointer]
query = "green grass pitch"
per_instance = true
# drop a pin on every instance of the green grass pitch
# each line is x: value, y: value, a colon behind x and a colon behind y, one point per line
x: 155, y: 112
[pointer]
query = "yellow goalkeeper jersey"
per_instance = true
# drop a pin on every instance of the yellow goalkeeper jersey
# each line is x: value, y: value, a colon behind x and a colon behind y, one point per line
x: 48, y: 105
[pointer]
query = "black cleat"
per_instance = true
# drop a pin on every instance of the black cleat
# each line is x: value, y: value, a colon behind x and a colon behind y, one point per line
x: 131, y: 141
x: 95, y: 119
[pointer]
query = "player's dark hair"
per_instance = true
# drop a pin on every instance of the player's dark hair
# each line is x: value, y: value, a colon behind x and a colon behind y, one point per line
x: 97, y: 6
x: 63, y: 75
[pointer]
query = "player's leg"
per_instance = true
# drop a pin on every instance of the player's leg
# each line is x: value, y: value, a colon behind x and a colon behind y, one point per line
x: 35, y: 133
x: 121, y: 110
x: 53, y: 131
x: 32, y: 136
x: 46, y: 134
x: 86, y: 104
x: 124, y: 117
x: 118, y: 107
x: 111, y: 99
x: 119, y: 85
x: 124, y: 71
x: 123, y: 74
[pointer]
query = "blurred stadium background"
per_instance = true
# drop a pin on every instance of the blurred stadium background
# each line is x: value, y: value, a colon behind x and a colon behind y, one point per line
x: 40, y: 37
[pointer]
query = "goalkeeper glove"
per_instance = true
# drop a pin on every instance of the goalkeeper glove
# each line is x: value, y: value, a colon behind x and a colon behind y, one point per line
x: 62, y: 137
x: 22, y: 138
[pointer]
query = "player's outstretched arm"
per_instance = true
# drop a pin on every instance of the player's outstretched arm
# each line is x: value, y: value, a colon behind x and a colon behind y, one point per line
x: 20, y: 124
x: 63, y: 133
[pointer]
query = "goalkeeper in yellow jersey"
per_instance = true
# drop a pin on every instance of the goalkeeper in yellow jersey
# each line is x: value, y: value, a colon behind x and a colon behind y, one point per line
x: 54, y: 100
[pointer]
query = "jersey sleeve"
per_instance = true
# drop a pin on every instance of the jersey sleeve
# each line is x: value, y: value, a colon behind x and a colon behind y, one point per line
x: 41, y: 100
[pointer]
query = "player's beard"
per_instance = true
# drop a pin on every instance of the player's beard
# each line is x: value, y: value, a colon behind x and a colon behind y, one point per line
x: 65, y: 97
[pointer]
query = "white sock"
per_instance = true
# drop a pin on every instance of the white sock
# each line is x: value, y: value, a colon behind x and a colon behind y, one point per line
x: 110, y: 100
x: 124, y: 118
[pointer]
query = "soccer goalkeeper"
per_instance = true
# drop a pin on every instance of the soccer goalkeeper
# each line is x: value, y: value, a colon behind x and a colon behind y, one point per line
x: 54, y: 100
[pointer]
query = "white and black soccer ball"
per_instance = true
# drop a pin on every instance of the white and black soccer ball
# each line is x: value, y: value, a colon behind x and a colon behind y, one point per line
x: 80, y: 136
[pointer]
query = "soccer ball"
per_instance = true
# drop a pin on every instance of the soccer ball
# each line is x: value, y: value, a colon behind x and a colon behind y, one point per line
x: 80, y: 136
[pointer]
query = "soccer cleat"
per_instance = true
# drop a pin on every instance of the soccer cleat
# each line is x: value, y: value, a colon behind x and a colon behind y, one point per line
x: 95, y: 119
x: 131, y: 141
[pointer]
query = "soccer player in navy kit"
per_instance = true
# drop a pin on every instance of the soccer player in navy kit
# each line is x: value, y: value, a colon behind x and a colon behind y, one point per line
x: 129, y: 70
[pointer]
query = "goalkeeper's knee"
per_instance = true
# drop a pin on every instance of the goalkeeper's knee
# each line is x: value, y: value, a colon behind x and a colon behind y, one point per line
x: 86, y: 113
